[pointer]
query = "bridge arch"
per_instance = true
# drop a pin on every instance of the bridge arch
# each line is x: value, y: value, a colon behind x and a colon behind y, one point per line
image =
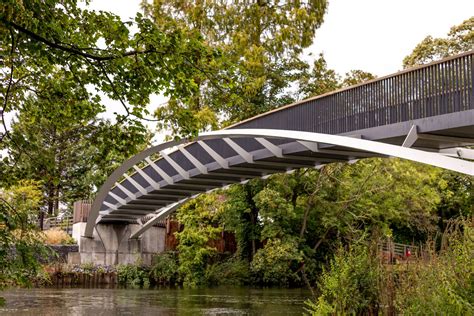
x: 216, y: 159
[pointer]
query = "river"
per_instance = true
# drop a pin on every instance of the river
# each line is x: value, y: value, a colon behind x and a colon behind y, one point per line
x: 160, y: 301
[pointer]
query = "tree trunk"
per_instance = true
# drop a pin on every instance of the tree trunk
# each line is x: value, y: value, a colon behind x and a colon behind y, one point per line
x: 41, y: 220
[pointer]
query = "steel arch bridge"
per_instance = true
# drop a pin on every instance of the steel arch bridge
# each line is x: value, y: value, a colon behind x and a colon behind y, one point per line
x: 425, y: 114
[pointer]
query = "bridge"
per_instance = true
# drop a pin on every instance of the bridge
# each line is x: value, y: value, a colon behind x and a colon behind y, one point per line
x: 424, y: 114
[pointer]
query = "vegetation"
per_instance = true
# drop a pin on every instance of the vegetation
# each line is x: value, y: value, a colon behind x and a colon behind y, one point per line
x: 134, y: 275
x: 164, y: 269
x: 459, y: 40
x: 20, y: 242
x: 259, y: 44
x: 356, y: 281
x: 219, y: 63
x: 57, y: 236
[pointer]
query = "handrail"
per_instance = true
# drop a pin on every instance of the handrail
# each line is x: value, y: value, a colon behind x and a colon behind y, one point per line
x: 437, y: 88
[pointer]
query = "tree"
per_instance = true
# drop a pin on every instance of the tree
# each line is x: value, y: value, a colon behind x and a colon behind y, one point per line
x: 38, y: 38
x: 20, y: 244
x: 356, y: 76
x: 320, y: 79
x: 260, y: 43
x: 458, y: 40
x: 200, y: 218
x: 58, y: 141
x: 58, y: 58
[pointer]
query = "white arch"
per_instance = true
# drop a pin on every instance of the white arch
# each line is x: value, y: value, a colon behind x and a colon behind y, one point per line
x: 308, y: 139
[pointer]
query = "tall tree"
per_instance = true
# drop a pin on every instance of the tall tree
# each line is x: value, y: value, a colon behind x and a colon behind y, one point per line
x: 459, y: 39
x: 260, y: 44
x: 100, y: 51
x: 58, y: 140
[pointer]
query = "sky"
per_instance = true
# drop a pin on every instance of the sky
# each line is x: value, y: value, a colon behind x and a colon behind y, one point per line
x: 370, y: 35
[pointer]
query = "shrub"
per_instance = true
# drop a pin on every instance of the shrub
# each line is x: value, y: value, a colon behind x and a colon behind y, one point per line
x: 57, y: 236
x: 272, y: 264
x: 444, y: 283
x: 133, y: 275
x: 231, y: 272
x: 350, y: 285
x: 164, y: 269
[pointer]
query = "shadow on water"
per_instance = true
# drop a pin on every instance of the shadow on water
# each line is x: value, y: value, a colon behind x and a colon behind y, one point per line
x: 157, y: 301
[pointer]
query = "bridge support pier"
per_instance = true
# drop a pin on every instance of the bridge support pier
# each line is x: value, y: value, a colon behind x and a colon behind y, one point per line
x: 111, y: 244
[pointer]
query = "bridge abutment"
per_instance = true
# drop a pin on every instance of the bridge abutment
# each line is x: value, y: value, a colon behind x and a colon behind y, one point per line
x: 111, y: 244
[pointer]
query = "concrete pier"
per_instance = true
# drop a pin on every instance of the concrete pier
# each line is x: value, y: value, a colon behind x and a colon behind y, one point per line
x: 111, y: 244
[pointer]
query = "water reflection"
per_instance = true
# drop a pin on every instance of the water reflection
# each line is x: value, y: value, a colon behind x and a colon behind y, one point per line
x: 162, y: 301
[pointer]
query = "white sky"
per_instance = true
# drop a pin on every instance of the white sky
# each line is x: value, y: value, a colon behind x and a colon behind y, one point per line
x: 371, y: 35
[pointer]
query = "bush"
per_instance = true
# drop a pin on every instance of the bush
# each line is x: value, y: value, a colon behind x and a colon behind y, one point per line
x: 133, y: 275
x: 57, y: 236
x: 441, y: 282
x: 272, y: 264
x: 230, y: 272
x: 444, y: 283
x: 164, y: 269
x: 350, y: 285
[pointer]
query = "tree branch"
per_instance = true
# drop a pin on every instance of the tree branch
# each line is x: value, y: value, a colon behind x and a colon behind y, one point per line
x: 69, y: 49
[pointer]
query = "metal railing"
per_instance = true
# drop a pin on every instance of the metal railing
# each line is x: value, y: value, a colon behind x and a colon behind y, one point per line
x: 391, y: 251
x: 441, y: 87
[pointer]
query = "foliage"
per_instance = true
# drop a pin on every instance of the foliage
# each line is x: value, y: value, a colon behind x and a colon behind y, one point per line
x: 299, y: 216
x: 232, y: 271
x: 459, y: 40
x: 134, y: 275
x: 274, y: 262
x: 443, y: 284
x: 260, y: 43
x: 320, y: 79
x: 20, y: 243
x: 199, y: 217
x: 440, y: 282
x: 350, y: 284
x: 58, y: 139
x: 39, y: 39
x: 90, y: 268
x: 356, y: 76
x: 164, y: 268
x: 240, y: 215
x: 57, y: 237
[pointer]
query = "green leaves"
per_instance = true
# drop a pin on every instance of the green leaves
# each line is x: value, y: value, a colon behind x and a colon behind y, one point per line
x: 255, y: 61
x: 20, y: 243
x: 273, y: 263
x: 58, y: 139
x: 460, y: 39
x: 200, y: 219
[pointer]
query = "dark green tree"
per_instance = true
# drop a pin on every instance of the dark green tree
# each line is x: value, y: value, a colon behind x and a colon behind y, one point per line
x: 260, y: 43
x: 58, y: 140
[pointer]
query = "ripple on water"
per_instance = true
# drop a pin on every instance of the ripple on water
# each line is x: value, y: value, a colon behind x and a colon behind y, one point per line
x: 161, y: 301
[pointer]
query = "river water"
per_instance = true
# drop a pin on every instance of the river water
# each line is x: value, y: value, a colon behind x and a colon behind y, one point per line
x: 161, y: 301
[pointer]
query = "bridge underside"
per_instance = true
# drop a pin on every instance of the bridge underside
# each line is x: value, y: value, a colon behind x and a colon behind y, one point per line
x: 157, y: 187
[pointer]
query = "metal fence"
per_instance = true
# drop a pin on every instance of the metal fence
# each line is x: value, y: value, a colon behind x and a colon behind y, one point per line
x: 391, y: 251
x: 434, y: 89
